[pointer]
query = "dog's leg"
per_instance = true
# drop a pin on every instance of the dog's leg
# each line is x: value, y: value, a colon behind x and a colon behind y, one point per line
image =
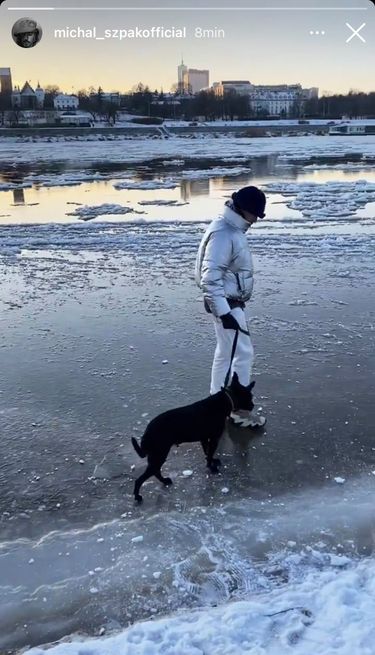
x: 204, y: 446
x: 212, y: 462
x: 157, y: 463
x: 166, y: 481
x: 148, y: 473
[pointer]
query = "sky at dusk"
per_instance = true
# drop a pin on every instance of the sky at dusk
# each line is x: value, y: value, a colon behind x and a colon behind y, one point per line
x: 271, y: 45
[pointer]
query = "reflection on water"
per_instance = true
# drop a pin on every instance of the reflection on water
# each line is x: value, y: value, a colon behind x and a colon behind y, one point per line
x: 205, y: 197
x: 190, y: 188
x: 19, y: 196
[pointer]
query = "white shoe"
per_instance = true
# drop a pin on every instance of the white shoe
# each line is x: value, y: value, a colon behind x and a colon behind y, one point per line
x: 245, y: 419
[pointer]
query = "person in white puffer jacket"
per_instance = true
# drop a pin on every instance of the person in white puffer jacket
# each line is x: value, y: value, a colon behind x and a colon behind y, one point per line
x: 224, y: 272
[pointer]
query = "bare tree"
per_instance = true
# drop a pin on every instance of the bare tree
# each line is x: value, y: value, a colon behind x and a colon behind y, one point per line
x: 52, y: 89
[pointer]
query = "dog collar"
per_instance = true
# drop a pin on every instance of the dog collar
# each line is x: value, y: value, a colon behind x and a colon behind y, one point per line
x: 230, y: 398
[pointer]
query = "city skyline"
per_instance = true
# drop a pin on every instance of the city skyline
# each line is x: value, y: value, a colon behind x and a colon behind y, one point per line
x: 256, y: 47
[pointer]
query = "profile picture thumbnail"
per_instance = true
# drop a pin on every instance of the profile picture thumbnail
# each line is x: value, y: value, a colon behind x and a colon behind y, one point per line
x: 27, y: 32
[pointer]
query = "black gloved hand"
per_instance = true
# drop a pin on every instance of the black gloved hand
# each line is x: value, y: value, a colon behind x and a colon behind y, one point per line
x: 229, y: 322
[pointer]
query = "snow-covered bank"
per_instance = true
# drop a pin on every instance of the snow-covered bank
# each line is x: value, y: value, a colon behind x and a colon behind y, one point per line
x: 294, y: 562
x: 330, y: 611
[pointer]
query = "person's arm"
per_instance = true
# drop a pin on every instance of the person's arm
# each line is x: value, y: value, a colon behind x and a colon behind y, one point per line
x: 216, y: 261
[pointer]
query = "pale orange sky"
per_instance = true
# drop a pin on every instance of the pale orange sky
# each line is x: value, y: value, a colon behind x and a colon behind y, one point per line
x: 265, y: 47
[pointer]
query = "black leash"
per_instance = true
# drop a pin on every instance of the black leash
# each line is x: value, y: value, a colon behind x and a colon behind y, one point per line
x: 234, y: 346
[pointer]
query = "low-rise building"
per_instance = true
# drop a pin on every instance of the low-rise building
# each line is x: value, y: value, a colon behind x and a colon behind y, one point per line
x: 241, y: 87
x: 274, y: 100
x: 280, y: 99
x: 63, y: 102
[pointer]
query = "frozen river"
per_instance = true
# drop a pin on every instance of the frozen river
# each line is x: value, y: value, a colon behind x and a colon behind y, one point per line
x: 102, y: 327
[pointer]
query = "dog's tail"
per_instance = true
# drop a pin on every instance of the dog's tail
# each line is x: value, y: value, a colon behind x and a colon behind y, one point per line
x: 138, y: 449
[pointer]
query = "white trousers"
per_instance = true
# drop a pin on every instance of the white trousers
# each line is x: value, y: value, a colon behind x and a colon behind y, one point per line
x: 243, y: 358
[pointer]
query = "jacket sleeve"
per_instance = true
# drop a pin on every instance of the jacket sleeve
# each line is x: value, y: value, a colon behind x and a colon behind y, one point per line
x: 216, y: 260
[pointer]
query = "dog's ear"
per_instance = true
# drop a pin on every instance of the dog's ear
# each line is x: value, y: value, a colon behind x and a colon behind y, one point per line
x: 235, y: 379
x: 251, y: 385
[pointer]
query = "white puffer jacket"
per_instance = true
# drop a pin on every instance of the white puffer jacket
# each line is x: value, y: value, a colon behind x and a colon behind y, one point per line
x: 224, y: 266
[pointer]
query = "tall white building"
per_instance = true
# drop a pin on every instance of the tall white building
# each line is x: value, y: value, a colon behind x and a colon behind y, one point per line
x: 192, y: 80
x: 198, y: 80
x: 182, y: 77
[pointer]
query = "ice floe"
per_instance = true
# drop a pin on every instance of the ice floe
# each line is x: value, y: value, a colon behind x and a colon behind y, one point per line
x: 173, y: 162
x: 12, y: 186
x: 342, y: 166
x: 90, y: 148
x: 166, y: 237
x: 215, y: 171
x: 331, y: 199
x: 66, y: 179
x: 86, y: 212
x: 163, y: 203
x: 147, y: 184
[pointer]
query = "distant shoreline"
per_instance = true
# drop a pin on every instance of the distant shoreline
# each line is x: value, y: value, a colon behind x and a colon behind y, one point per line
x: 177, y: 130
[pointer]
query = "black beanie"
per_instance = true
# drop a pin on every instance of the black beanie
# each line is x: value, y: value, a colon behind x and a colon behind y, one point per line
x: 250, y: 199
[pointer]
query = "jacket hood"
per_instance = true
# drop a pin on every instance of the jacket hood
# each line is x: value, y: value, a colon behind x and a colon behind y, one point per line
x: 233, y: 218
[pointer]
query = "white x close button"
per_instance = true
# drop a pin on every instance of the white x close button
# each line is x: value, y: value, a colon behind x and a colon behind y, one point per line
x: 356, y: 32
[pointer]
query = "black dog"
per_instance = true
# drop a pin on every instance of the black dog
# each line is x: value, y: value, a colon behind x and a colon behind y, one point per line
x: 203, y: 421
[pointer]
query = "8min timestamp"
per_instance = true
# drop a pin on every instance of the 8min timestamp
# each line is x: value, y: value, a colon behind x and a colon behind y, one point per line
x: 209, y: 33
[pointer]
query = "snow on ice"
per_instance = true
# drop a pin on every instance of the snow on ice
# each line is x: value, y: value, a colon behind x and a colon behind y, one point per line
x: 330, y: 611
